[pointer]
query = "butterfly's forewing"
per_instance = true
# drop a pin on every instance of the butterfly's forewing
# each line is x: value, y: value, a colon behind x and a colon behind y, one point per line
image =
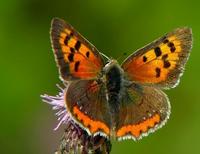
x: 161, y: 62
x: 143, y: 110
x: 86, y: 101
x: 75, y: 56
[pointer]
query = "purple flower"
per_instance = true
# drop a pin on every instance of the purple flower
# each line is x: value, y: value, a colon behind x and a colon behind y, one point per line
x: 58, y: 104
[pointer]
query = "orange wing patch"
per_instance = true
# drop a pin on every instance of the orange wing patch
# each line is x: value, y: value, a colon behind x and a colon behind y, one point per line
x: 93, y: 126
x: 76, y: 57
x: 137, y: 129
x: 79, y: 61
x: 161, y: 61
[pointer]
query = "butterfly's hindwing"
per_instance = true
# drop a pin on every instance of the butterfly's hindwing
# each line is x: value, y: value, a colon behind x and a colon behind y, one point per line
x: 86, y: 101
x: 142, y: 110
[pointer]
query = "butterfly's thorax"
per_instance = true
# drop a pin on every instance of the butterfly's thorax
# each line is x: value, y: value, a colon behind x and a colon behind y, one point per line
x: 114, y: 79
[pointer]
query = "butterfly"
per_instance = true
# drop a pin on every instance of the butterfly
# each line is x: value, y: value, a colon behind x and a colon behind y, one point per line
x: 119, y: 101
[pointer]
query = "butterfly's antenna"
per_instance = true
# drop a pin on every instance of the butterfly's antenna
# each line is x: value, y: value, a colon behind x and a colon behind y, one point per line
x: 122, y: 56
x: 104, y: 56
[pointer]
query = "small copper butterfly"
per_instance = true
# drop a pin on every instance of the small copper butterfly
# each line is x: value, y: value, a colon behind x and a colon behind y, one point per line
x: 119, y: 101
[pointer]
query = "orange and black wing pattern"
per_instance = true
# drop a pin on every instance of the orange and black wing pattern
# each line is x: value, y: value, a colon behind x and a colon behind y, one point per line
x: 86, y: 102
x: 75, y: 56
x: 143, y: 110
x: 162, y: 61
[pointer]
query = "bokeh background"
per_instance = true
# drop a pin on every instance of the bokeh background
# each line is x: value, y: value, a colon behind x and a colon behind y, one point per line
x: 27, y: 68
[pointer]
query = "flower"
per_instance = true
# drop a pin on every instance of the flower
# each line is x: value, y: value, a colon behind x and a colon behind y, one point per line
x: 58, y: 104
x: 75, y: 139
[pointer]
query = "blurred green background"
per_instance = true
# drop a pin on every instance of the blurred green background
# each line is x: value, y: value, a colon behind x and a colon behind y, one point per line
x: 28, y: 69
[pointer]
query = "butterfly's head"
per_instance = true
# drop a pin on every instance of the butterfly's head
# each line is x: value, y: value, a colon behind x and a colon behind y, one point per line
x: 112, y: 64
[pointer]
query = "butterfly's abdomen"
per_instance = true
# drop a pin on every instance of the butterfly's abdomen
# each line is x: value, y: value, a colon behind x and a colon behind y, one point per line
x: 113, y: 85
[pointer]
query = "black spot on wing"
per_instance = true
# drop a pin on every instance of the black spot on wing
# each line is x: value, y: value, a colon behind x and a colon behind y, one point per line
x: 172, y: 49
x: 165, y: 41
x: 144, y: 58
x: 76, y: 66
x: 77, y: 45
x: 72, y: 50
x: 158, y: 72
x: 157, y: 51
x: 71, y: 57
x: 171, y: 46
x: 67, y: 38
x: 87, y: 54
x: 165, y: 56
x: 166, y: 64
